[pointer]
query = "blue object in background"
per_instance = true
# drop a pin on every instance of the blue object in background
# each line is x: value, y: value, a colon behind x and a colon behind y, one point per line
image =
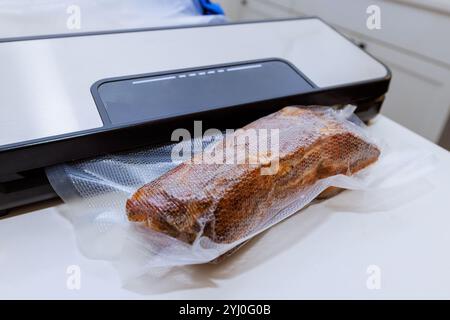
x: 210, y: 8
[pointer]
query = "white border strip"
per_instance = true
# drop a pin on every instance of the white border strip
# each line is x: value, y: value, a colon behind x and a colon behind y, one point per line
x: 252, y: 66
x: 152, y: 80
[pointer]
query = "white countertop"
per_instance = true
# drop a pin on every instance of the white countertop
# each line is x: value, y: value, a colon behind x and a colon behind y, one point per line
x: 322, y: 252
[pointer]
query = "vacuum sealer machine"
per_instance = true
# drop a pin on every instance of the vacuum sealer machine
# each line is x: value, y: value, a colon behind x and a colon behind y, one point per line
x: 69, y: 97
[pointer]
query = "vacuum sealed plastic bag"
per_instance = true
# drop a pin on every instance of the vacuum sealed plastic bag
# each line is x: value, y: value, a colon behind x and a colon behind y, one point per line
x: 193, y: 201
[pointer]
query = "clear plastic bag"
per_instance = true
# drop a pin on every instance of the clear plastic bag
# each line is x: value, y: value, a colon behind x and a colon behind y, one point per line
x: 97, y: 192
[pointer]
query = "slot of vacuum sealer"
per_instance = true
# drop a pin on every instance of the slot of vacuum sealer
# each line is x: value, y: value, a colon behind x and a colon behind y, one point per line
x: 24, y: 188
